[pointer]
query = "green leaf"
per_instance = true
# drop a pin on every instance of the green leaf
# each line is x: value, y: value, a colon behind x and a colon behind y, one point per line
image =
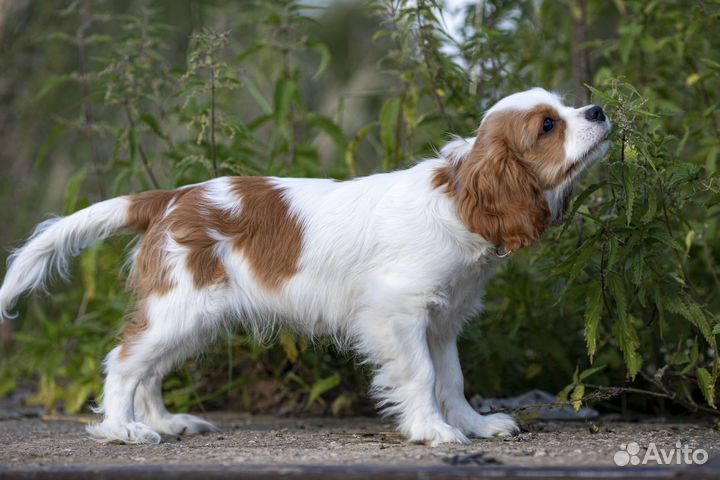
x: 580, y: 200
x: 353, y: 146
x: 662, y: 237
x: 47, y: 145
x: 577, y: 394
x: 652, y: 205
x: 257, y: 95
x: 284, y: 91
x: 590, y: 371
x: 593, y: 312
x: 53, y: 83
x: 72, y: 190
x: 89, y: 267
x: 287, y: 341
x: 692, y: 313
x: 324, y: 52
x: 617, y: 289
x: 600, y: 94
x: 331, y: 128
x: 707, y: 386
x: 152, y: 122
x: 322, y: 386
x: 623, y: 327
x: 629, y: 196
x: 389, y: 118
x: 562, y: 395
x: 692, y: 361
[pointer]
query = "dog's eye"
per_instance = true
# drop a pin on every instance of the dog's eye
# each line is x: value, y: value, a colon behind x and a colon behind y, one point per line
x: 548, y: 124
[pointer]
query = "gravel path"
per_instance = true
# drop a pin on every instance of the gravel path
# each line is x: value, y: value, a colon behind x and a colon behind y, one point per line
x: 266, y: 440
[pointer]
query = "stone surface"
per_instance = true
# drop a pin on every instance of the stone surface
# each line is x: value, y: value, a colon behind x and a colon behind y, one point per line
x: 266, y: 440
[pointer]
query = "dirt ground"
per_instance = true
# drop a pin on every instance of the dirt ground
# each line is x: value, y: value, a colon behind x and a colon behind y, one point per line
x: 266, y: 440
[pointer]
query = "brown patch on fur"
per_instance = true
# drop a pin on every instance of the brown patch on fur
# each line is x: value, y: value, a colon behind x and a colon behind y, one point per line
x: 150, y: 273
x: 442, y: 177
x: 132, y: 330
x: 499, y: 187
x: 146, y: 206
x: 269, y: 236
x: 264, y: 230
x: 190, y: 225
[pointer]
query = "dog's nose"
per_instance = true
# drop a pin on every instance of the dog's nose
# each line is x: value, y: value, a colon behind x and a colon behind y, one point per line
x: 595, y: 114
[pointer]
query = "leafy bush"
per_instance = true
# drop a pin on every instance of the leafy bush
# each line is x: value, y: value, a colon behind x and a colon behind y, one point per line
x: 622, y: 299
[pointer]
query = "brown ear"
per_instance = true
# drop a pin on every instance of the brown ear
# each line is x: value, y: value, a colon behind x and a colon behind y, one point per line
x: 498, y: 198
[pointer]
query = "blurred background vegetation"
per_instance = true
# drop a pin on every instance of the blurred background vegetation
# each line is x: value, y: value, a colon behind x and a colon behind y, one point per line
x: 618, y: 306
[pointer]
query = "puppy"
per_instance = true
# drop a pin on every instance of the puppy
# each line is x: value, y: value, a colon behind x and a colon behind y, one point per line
x: 391, y: 265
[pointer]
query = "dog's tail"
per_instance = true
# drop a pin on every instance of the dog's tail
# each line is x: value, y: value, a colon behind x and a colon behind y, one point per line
x: 57, y: 239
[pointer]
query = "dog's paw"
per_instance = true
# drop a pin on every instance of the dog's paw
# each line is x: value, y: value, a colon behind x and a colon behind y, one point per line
x: 435, y: 433
x: 495, y: 425
x: 182, y: 424
x: 133, y: 432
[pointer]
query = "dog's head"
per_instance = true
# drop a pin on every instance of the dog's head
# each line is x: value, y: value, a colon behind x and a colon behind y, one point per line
x: 515, y: 178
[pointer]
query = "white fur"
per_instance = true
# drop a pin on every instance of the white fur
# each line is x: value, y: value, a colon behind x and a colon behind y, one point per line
x: 387, y: 268
x: 53, y: 242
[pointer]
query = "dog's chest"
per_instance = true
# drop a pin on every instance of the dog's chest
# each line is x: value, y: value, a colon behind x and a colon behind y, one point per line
x: 461, y: 292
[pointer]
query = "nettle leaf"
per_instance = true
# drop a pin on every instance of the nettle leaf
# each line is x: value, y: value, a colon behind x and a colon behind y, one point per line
x: 652, y: 204
x: 72, y: 190
x: 579, y: 201
x: 637, y: 267
x: 629, y: 344
x: 707, y: 386
x: 593, y: 312
x: 152, y: 122
x: 629, y: 194
x: 617, y: 289
x: 289, y: 345
x: 331, y: 128
x: 324, y: 52
x: 577, y: 394
x: 663, y: 237
x: 590, y: 372
x: 284, y: 91
x: 389, y: 116
x: 354, y: 145
x: 692, y: 313
x: 54, y: 82
x: 562, y: 395
x: 601, y: 95
x: 322, y: 386
x: 48, y: 144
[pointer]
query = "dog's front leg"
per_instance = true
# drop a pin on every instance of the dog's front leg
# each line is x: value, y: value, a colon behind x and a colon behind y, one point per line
x: 450, y: 393
x: 404, y: 381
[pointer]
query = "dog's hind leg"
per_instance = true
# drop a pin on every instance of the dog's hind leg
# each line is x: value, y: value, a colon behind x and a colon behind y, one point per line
x: 165, y: 330
x: 150, y: 409
x: 122, y: 378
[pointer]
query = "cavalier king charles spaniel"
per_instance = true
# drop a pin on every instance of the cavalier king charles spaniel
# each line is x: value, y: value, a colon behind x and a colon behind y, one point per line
x: 391, y: 265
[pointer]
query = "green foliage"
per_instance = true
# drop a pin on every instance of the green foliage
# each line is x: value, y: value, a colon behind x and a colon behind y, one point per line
x: 625, y: 293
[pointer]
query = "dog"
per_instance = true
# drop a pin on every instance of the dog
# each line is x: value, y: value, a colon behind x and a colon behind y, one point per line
x: 391, y: 265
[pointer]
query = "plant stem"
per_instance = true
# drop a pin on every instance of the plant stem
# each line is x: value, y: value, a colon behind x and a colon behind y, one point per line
x: 86, y: 107
x: 426, y: 46
x: 141, y: 150
x: 213, y: 156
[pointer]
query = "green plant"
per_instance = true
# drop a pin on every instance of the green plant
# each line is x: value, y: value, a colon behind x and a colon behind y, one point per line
x: 622, y: 299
